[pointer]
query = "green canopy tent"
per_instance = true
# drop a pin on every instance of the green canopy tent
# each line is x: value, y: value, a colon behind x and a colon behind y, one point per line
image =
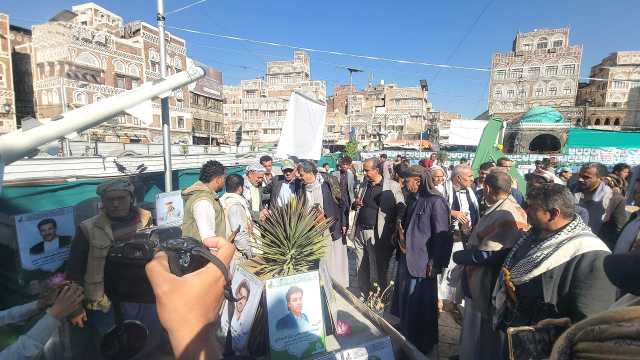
x: 591, y: 138
x: 24, y: 199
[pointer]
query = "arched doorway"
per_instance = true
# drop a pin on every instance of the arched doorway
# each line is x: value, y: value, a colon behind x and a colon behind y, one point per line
x: 510, y: 143
x: 545, y: 143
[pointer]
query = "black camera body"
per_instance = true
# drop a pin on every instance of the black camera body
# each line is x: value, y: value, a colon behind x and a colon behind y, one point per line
x: 125, y: 278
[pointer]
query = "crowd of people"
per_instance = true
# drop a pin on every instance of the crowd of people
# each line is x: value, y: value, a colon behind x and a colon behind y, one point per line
x: 492, y: 254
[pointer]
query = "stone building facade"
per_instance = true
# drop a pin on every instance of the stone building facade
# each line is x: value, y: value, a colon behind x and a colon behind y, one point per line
x: 88, y: 53
x: 377, y: 114
x: 205, y: 97
x: 265, y: 100
x: 542, y: 69
x: 7, y: 100
x: 614, y: 102
x: 232, y: 109
x: 74, y: 65
x: 146, y: 37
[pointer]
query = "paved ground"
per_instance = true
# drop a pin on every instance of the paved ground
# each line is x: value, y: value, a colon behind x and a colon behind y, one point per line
x: 449, y: 329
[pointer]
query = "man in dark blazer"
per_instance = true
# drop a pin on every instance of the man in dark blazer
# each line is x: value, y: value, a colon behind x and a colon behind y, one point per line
x: 347, y: 181
x: 48, y: 230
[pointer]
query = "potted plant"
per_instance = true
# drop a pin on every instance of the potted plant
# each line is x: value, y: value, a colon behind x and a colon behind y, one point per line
x: 291, y: 240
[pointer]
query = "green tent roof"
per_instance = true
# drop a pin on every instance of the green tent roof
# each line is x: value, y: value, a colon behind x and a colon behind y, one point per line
x: 542, y: 114
x: 589, y: 138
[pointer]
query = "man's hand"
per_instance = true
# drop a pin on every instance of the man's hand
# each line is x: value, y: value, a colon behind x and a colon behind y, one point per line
x: 344, y: 231
x: 67, y: 302
x: 460, y: 216
x: 431, y: 271
x: 358, y: 203
x: 188, y: 304
x: 79, y: 319
x: 49, y: 294
x: 263, y: 214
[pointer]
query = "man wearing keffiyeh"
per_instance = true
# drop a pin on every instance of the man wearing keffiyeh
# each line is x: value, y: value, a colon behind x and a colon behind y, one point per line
x: 555, y: 270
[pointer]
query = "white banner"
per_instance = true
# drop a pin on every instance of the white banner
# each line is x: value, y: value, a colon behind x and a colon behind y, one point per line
x: 466, y: 132
x: 303, y: 128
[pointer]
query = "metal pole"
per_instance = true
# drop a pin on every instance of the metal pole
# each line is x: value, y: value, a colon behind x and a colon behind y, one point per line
x: 164, y: 103
x: 349, y: 100
x: 64, y: 142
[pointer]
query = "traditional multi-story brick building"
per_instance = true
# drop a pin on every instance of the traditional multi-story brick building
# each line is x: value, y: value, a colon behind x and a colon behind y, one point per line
x: 7, y: 100
x: 232, y: 109
x: 377, y: 113
x: 146, y: 36
x: 78, y: 58
x: 88, y: 53
x: 541, y: 69
x: 614, y: 101
x: 206, y: 96
x: 265, y: 101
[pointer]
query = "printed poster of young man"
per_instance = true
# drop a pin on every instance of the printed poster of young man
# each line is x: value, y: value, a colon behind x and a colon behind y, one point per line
x: 169, y: 209
x: 44, y: 238
x: 295, y: 316
x: 247, y: 290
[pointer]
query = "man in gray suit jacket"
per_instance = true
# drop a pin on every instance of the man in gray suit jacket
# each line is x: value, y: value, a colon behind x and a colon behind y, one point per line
x: 379, y: 209
x: 347, y: 181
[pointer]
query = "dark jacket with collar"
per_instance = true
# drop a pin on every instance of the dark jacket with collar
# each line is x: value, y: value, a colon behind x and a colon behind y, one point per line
x: 392, y: 207
x: 351, y: 183
x: 331, y: 210
x: 63, y: 241
x: 276, y: 185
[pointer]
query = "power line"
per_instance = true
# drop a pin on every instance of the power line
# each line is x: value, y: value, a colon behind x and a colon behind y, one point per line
x: 464, y: 37
x: 331, y: 52
x: 367, y: 57
x: 185, y: 7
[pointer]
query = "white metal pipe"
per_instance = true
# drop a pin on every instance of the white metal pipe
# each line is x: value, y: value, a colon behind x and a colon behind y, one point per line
x: 18, y: 144
x: 164, y: 102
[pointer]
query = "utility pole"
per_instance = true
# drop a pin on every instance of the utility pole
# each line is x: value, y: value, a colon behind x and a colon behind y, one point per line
x: 164, y: 102
x: 351, y: 71
x: 64, y: 142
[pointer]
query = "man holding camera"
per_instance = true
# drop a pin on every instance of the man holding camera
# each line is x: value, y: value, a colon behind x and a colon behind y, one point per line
x: 116, y: 223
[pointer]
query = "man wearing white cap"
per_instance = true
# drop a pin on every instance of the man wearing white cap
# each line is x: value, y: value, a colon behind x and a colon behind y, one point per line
x: 253, y: 190
x: 285, y: 186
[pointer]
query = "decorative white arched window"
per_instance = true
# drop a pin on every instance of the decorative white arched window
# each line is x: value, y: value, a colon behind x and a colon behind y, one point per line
x: 134, y: 70
x: 178, y: 63
x: 557, y: 42
x: 80, y: 97
x: 88, y: 59
x: 98, y: 97
x: 119, y: 66
x: 153, y: 55
x: 54, y: 97
x: 45, y: 97
x: 542, y: 43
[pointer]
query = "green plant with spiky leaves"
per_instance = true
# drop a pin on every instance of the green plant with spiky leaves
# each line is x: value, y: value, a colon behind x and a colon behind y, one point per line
x: 291, y: 240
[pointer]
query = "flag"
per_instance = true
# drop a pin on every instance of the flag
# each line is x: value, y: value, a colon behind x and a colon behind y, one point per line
x: 490, y: 149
